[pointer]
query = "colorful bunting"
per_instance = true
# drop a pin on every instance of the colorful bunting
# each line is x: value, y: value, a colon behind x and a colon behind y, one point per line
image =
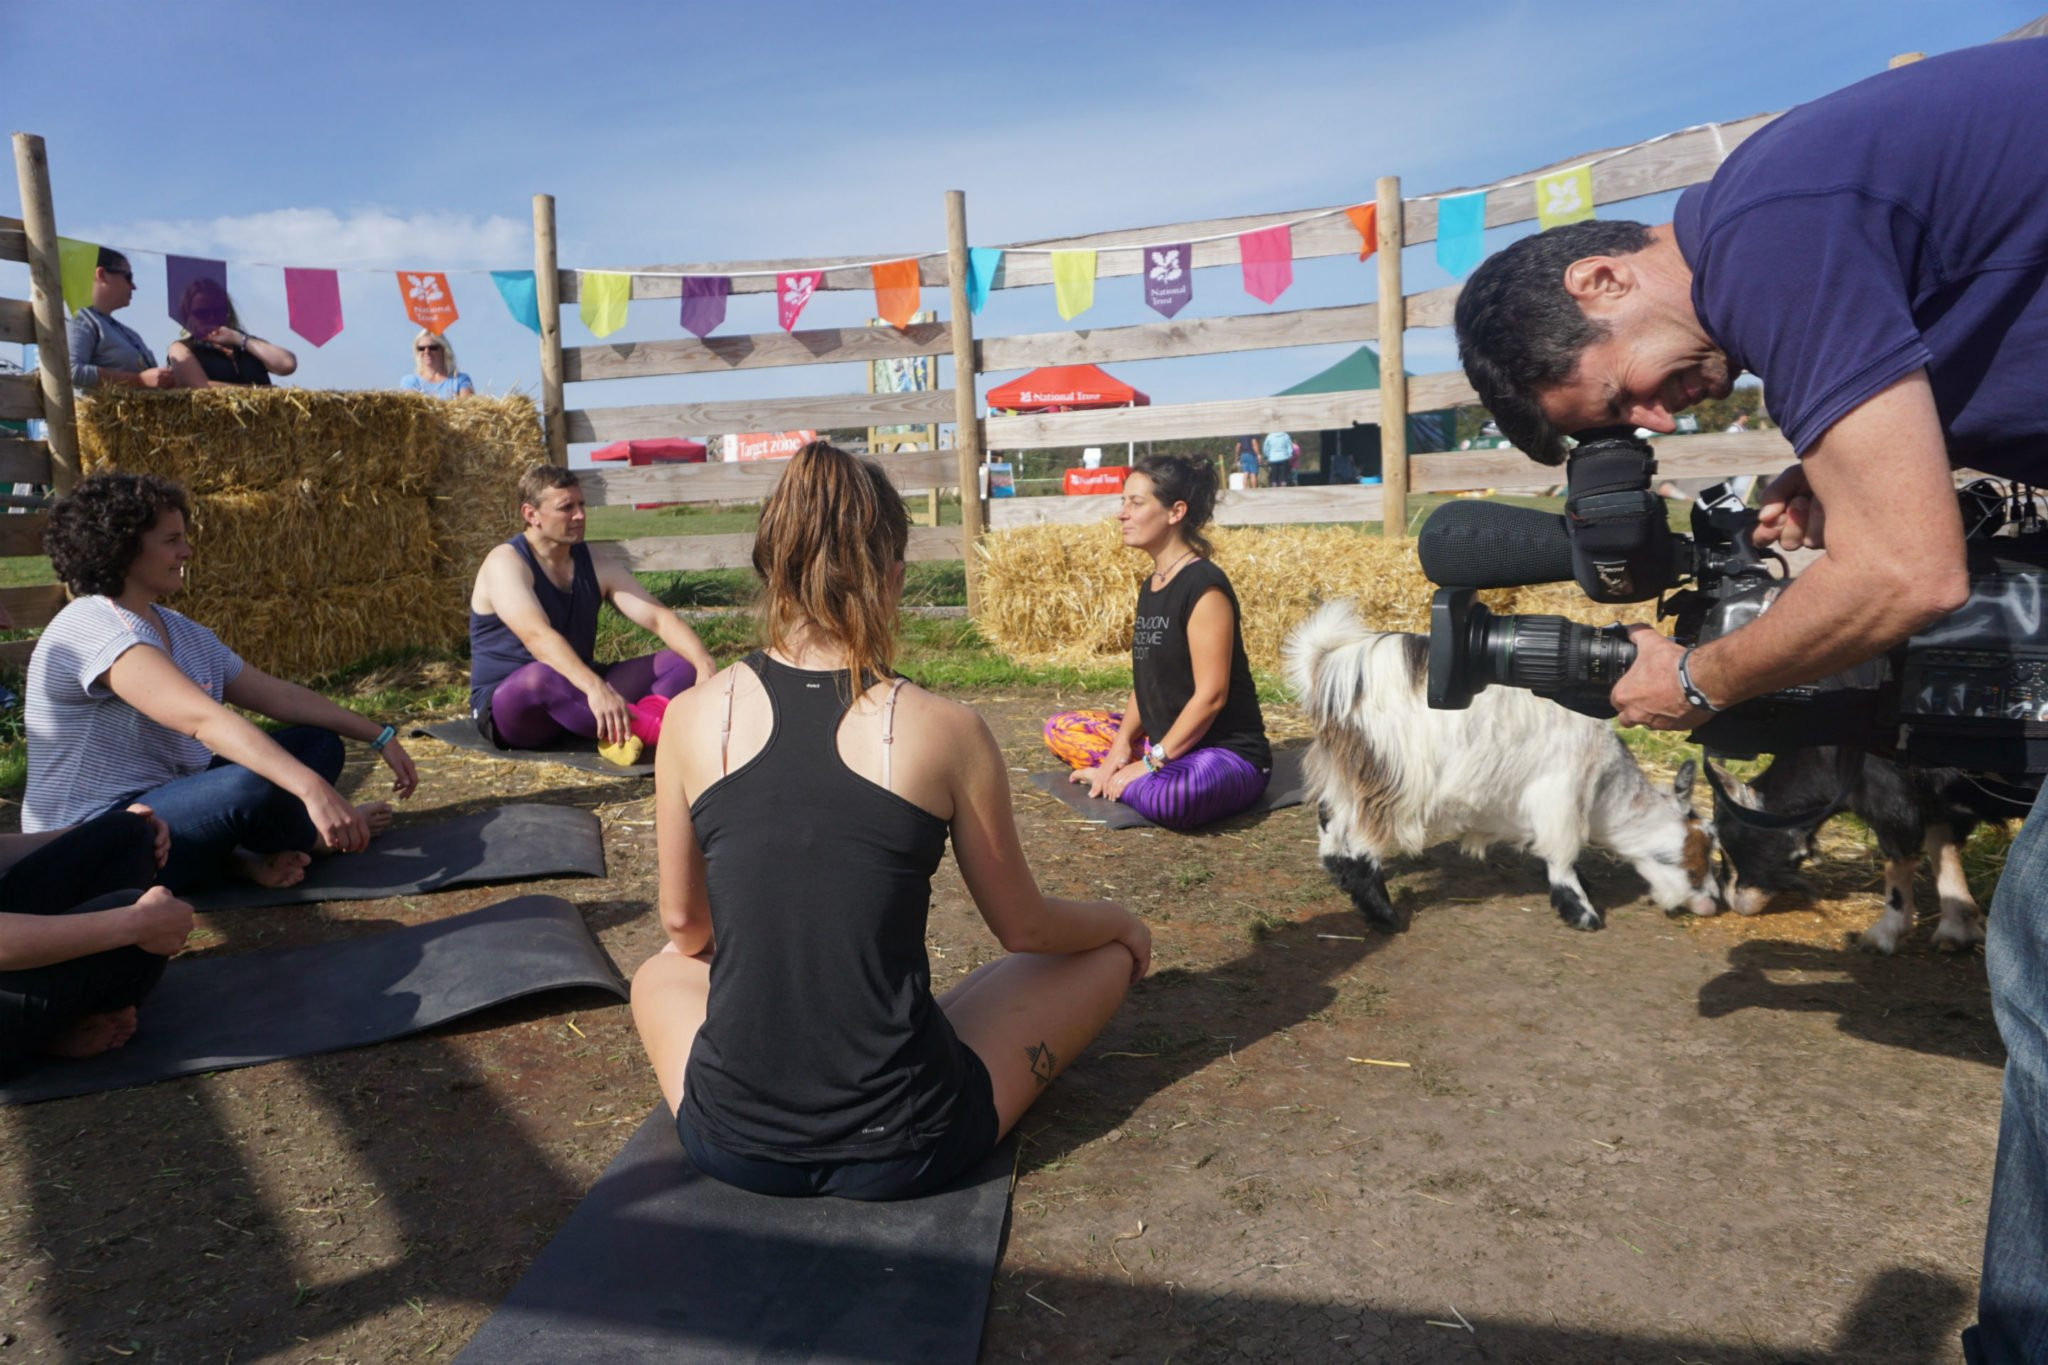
x: 896, y: 291
x: 1169, y: 278
x: 603, y: 303
x: 1366, y: 218
x: 428, y: 300
x: 1268, y: 258
x: 521, y: 295
x: 1564, y: 197
x: 792, y: 291
x: 704, y: 302
x: 312, y: 303
x: 1073, y: 282
x: 1460, y: 230
x: 196, y: 290
x: 981, y: 275
x: 76, y: 262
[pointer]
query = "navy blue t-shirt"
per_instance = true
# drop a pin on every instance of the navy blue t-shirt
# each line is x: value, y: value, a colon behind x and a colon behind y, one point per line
x: 1896, y: 225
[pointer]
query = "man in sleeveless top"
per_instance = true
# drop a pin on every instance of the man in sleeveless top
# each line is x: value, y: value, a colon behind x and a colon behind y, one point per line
x: 533, y: 673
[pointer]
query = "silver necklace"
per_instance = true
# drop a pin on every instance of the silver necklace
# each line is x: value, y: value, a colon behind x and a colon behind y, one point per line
x: 1159, y: 576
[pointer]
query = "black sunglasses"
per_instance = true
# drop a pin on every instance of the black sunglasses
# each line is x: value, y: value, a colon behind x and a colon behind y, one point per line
x: 127, y: 275
x: 424, y: 349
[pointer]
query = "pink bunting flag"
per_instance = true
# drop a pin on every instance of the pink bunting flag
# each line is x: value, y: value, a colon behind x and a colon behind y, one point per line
x: 1268, y: 256
x: 792, y: 292
x: 312, y: 300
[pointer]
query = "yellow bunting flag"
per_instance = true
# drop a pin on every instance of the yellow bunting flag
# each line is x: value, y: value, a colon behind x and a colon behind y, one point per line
x: 603, y: 303
x: 76, y: 262
x: 1366, y: 218
x: 1564, y: 197
x: 896, y: 291
x: 1073, y: 282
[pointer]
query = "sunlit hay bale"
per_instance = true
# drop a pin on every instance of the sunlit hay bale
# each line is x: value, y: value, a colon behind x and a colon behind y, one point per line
x: 1066, y: 594
x: 487, y: 443
x: 305, y: 634
x: 242, y: 439
x: 297, y: 540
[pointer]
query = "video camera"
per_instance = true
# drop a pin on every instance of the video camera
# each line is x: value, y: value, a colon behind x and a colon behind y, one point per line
x: 1970, y: 691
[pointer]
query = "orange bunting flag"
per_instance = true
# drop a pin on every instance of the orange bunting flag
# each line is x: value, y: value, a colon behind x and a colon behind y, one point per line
x: 1366, y: 218
x: 896, y: 291
x: 427, y: 300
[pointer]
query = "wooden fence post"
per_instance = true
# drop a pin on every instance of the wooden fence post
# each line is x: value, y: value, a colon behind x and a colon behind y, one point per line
x: 547, y: 281
x: 966, y: 421
x: 46, y: 300
x: 1393, y: 370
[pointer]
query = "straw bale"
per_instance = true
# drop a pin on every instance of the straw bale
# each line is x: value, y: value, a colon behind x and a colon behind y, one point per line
x: 243, y: 440
x: 1064, y: 594
x: 294, y: 541
x: 487, y: 445
x: 303, y: 635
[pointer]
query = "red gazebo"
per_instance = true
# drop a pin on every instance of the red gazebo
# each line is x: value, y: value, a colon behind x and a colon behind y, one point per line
x: 1065, y: 388
x: 664, y: 450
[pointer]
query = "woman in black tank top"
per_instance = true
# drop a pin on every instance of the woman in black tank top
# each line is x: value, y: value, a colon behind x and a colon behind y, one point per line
x: 1190, y: 747
x: 791, y: 1020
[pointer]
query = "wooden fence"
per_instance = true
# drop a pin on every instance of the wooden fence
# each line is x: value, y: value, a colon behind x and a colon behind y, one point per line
x: 46, y: 394
x: 1656, y: 167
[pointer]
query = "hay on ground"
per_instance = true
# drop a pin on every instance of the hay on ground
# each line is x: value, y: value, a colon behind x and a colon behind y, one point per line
x: 1064, y: 594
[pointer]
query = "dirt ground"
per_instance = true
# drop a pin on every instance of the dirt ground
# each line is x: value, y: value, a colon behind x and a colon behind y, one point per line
x: 1489, y: 1139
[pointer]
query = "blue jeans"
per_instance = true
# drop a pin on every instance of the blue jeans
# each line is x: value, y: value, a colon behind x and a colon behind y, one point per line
x: 2012, y: 1301
x: 213, y: 813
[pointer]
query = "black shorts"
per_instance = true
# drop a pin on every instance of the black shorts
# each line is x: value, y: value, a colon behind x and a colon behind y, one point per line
x: 956, y: 1152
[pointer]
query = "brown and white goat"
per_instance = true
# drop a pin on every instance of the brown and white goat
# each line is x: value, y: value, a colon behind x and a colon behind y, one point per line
x: 1391, y: 776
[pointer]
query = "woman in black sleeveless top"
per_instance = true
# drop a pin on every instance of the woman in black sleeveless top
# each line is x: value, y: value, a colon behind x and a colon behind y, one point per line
x: 1190, y: 748
x: 790, y: 1019
x: 216, y: 351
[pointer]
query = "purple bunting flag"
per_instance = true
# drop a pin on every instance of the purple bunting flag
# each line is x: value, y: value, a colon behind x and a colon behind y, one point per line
x: 1169, y: 278
x: 197, y: 292
x: 312, y: 301
x: 704, y: 302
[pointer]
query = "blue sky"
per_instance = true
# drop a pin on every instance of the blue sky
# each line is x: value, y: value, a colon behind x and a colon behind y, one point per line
x: 384, y: 135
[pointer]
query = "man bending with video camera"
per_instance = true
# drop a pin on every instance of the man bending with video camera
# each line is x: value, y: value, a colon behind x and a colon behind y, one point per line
x: 1879, y: 258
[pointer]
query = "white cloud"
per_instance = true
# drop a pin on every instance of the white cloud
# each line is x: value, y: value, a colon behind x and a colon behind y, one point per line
x: 356, y: 238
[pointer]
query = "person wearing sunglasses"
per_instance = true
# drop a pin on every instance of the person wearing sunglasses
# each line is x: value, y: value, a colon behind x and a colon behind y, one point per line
x: 433, y: 369
x: 216, y: 350
x: 105, y: 351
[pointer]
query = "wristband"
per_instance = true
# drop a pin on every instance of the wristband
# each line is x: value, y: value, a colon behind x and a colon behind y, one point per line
x: 1155, y: 757
x: 1693, y: 695
x: 384, y: 737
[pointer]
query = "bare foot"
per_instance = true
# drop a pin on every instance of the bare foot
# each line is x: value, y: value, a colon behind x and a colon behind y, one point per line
x: 377, y: 815
x: 94, y: 1034
x: 274, y: 870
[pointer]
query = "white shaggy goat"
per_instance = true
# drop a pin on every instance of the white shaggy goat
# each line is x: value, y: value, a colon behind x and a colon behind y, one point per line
x: 1391, y: 776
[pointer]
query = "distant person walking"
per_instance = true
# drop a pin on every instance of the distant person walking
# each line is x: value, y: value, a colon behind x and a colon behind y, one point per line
x: 1279, y: 459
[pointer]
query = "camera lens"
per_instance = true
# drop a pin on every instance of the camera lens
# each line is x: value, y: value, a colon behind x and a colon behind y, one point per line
x: 1471, y: 649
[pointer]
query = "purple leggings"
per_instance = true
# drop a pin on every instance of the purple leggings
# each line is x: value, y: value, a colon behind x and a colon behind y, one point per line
x: 534, y: 706
x: 1196, y: 789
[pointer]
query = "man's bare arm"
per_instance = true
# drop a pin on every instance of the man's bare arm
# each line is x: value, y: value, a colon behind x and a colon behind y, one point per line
x: 636, y: 604
x: 508, y: 590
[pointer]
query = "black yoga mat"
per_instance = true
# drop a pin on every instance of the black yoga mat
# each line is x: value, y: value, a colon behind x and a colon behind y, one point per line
x: 571, y: 752
x: 505, y: 844
x: 1286, y: 788
x: 660, y: 1263
x: 219, y: 1013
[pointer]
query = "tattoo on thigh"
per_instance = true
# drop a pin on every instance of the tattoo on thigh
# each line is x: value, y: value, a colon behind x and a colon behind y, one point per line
x: 1043, y: 1064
